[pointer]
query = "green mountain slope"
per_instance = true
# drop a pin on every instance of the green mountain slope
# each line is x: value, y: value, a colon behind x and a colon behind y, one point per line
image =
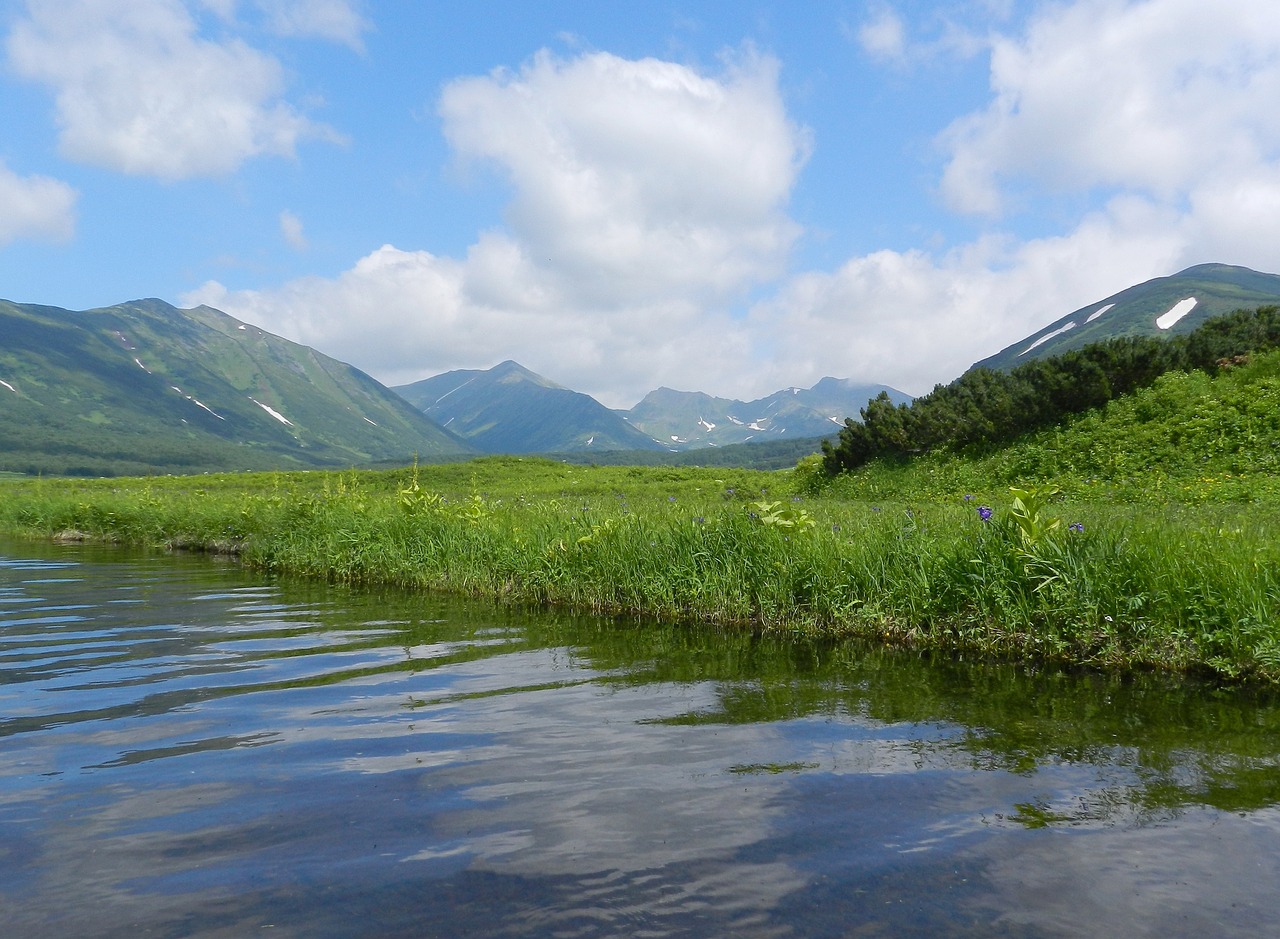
x: 1189, y: 438
x: 1159, y: 307
x: 145, y: 387
x: 509, y: 409
x: 687, y: 419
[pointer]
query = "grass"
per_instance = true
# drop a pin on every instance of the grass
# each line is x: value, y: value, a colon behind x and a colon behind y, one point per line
x: 900, y: 555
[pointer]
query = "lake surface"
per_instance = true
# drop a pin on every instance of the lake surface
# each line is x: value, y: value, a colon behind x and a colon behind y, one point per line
x: 189, y: 749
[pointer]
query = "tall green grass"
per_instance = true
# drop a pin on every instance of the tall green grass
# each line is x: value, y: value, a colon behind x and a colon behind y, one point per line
x: 1180, y: 587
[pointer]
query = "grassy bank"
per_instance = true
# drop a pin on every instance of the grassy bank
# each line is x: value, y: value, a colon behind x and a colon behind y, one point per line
x: 895, y: 558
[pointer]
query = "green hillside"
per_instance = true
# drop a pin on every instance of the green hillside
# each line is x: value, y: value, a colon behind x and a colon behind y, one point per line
x: 986, y: 407
x: 1148, y: 309
x: 1191, y: 437
x: 144, y: 387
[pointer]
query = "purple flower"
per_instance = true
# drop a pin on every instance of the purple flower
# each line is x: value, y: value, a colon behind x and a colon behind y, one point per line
x: 1076, y: 526
x: 984, y: 512
x: 968, y: 498
x: 671, y: 498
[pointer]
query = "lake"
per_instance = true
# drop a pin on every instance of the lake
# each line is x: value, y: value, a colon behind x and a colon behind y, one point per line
x: 191, y: 749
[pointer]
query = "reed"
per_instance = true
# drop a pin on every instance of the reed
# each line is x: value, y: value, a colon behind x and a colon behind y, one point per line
x: 1032, y: 576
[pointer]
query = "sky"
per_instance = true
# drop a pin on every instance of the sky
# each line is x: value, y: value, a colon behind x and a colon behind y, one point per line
x: 728, y: 196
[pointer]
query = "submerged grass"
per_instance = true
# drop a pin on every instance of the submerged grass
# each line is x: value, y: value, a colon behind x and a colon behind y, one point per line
x: 1172, y: 587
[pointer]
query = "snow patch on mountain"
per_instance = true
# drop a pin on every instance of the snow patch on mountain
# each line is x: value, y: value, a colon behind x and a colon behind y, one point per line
x: 1176, y: 312
x: 9, y: 386
x: 201, y: 404
x: 1047, y: 336
x: 273, y: 412
x: 191, y: 398
x: 1098, y: 312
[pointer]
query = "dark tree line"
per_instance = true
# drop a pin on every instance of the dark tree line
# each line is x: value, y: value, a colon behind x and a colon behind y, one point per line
x: 984, y: 407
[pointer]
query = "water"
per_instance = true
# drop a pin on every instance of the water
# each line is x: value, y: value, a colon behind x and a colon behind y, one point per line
x: 189, y: 750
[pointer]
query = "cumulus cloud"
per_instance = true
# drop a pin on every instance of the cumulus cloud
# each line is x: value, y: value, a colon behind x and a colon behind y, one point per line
x: 35, y: 207
x: 1159, y: 96
x: 637, y: 179
x: 647, y: 197
x: 139, y: 91
x: 291, y: 230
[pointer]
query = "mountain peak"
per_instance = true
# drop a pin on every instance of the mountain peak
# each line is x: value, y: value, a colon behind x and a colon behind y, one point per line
x: 1158, y: 307
x: 512, y: 371
x: 510, y: 409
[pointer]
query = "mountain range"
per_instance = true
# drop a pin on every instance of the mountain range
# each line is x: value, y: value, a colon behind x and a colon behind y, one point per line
x: 145, y: 387
x: 509, y: 409
x: 683, y: 420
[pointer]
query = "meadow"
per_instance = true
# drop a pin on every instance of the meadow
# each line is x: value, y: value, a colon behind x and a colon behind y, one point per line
x: 942, y: 552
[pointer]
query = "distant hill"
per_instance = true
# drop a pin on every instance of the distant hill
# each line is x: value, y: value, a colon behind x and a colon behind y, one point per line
x: 761, y: 455
x: 686, y: 420
x: 1164, y: 306
x: 509, y: 409
x: 145, y: 387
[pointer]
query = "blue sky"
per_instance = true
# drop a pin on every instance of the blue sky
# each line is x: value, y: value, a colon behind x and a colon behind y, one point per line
x: 731, y: 197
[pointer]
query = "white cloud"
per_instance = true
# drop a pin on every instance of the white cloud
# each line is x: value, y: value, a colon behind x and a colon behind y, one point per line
x: 638, y: 179
x: 950, y: 30
x: 647, y: 198
x: 137, y: 90
x: 35, y: 207
x: 1157, y: 96
x: 225, y: 9
x: 291, y: 230
x: 335, y: 20
x: 883, y: 36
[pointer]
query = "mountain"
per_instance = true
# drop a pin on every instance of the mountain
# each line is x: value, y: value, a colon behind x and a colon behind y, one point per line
x: 1160, y: 307
x: 688, y: 419
x: 146, y: 387
x: 509, y: 409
